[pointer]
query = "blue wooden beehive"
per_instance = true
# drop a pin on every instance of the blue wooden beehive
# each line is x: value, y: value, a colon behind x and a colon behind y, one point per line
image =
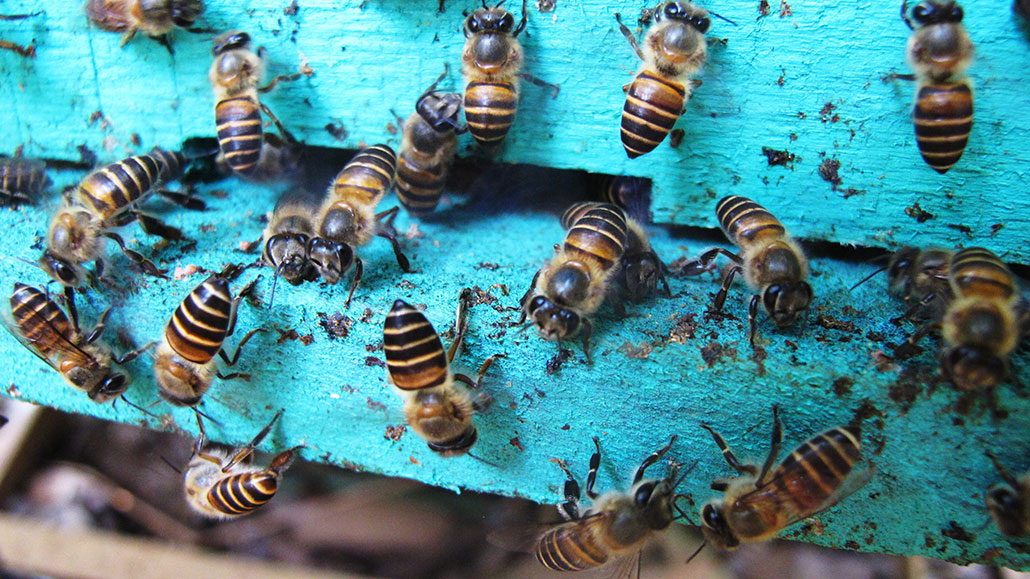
x: 812, y: 79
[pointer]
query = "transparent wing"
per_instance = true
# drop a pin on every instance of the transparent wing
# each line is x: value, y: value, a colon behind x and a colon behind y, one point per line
x: 11, y: 326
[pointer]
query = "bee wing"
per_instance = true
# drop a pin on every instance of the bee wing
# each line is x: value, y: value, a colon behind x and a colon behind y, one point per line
x: 856, y: 479
x: 12, y: 327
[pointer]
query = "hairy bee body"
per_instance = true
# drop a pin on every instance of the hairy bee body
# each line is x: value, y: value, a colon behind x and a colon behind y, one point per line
x: 673, y: 49
x: 981, y: 325
x: 286, y: 238
x: 491, y: 60
x: 103, y: 200
x: 234, y: 75
x: 22, y: 180
x: 1008, y: 502
x: 430, y: 140
x: 921, y: 278
x: 939, y: 50
x: 221, y: 482
x: 755, y: 506
x: 436, y: 407
x: 43, y: 327
x: 631, y: 194
x: 155, y: 18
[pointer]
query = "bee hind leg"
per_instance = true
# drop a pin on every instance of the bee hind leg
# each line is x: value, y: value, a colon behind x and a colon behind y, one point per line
x: 145, y: 264
x: 629, y: 36
x: 541, y: 83
x: 154, y: 226
x: 727, y: 453
x: 774, y: 447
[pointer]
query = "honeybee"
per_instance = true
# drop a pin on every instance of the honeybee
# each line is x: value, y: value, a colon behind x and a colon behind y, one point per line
x: 617, y: 524
x: 920, y: 279
x: 235, y: 74
x: 631, y: 194
x: 1022, y: 7
x: 1009, y: 502
x: 430, y: 140
x: 221, y: 483
x: 674, y: 49
x: 82, y: 360
x: 436, y: 406
x: 22, y: 180
x: 758, y: 504
x: 184, y: 365
x: 982, y: 324
x: 108, y: 198
x: 773, y: 263
x: 574, y: 283
x: 285, y: 239
x: 640, y: 269
x: 347, y: 218
x: 491, y: 62
x: 939, y: 51
x: 155, y: 18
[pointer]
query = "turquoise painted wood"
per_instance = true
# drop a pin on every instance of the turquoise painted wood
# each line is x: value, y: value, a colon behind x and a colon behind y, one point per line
x: 663, y: 370
x: 809, y: 82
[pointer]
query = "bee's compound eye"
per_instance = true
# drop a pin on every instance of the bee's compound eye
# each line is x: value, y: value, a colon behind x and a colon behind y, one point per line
x: 923, y: 12
x: 702, y: 24
x: 672, y: 9
x: 956, y: 14
x: 508, y: 22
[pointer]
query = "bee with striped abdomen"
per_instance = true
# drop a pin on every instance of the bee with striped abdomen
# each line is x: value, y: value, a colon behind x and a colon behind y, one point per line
x: 184, y: 364
x: 155, y: 18
x: 1009, y: 502
x: 221, y: 483
x: 773, y: 263
x: 82, y: 360
x: 759, y: 503
x: 285, y: 239
x: 617, y: 524
x: 631, y: 194
x: 430, y: 140
x: 436, y: 406
x: 108, y: 198
x: 939, y: 51
x: 22, y: 180
x: 983, y: 323
x: 640, y: 269
x: 347, y: 218
x: 235, y: 74
x: 673, y: 49
x: 574, y: 283
x: 491, y: 62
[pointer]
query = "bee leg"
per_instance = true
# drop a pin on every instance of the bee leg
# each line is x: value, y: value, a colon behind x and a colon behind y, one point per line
x: 245, y: 452
x: 132, y: 355
x: 127, y: 37
x: 540, y: 83
x: 145, y: 264
x: 98, y: 329
x: 660, y: 270
x: 721, y: 484
x: 587, y: 330
x: 904, y: 14
x: 651, y: 459
x: 460, y: 324
x: 728, y: 454
x: 1002, y: 471
x: 166, y: 41
x: 727, y: 280
x: 432, y: 87
x: 522, y: 23
x: 69, y: 302
x: 186, y: 200
x: 629, y: 36
x: 705, y: 261
x: 283, y: 460
x: 277, y: 80
x: 359, y: 268
x: 595, y: 463
x: 570, y: 508
x: 774, y: 447
x: 921, y: 333
x: 236, y: 356
x: 287, y: 135
x: 153, y: 226
x: 752, y: 319
x: 526, y: 297
x: 386, y: 230
x: 914, y: 308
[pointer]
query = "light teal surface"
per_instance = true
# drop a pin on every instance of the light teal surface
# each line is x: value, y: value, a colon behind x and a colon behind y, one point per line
x: 926, y: 441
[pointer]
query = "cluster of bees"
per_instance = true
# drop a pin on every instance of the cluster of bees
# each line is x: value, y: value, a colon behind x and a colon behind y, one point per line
x: 970, y: 295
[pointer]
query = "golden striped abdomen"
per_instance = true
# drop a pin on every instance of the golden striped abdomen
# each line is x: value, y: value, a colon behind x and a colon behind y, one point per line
x: 571, y: 547
x: 653, y: 103
x: 745, y: 222
x: 238, y: 121
x: 597, y: 233
x: 40, y: 321
x: 367, y: 176
x: 242, y: 493
x: 943, y: 118
x: 172, y: 163
x: 490, y: 110
x: 979, y: 272
x: 113, y: 188
x: 22, y: 176
x: 198, y: 326
x: 415, y: 356
x: 419, y: 187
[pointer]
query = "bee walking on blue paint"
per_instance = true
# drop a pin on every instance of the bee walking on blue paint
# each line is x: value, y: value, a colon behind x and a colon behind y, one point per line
x: 155, y: 18
x: 22, y: 180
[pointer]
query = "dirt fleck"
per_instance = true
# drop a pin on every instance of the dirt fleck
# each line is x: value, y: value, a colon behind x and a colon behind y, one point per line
x: 676, y: 138
x: 374, y: 347
x: 556, y: 361
x: 406, y: 284
x: 875, y: 336
x: 684, y: 329
x: 487, y: 266
x: 996, y: 228
x: 758, y: 356
x: 714, y: 351
x: 373, y: 361
x: 414, y: 232
x: 776, y: 157
x: 802, y: 115
x: 291, y: 10
x: 763, y: 8
x: 831, y: 323
x: 955, y: 531
x: 826, y: 112
x: 545, y: 5
x: 959, y: 227
x: 336, y: 325
x: 884, y: 363
x: 336, y: 130
x: 918, y: 213
x: 791, y: 345
x: 480, y: 297
x: 910, y: 385
x: 851, y: 192
x: 853, y: 545
x: 640, y: 352
x: 566, y: 427
x: 86, y: 155
x: 395, y: 433
x: 829, y: 171
x: 517, y: 444
x: 780, y: 80
x: 285, y: 335
x: 307, y: 339
x: 391, y: 128
x: 785, y: 10
x: 842, y: 386
x: 373, y: 405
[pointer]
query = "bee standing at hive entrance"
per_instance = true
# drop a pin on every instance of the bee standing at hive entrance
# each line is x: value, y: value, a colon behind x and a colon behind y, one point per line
x: 347, y: 217
x: 235, y: 75
x: 617, y: 525
x: 184, y: 364
x: 773, y: 263
x: 22, y: 180
x: 983, y: 323
x: 939, y: 51
x: 436, y: 406
x: 82, y: 360
x: 105, y: 199
x: 155, y: 18
x: 491, y: 62
x: 430, y: 140
x: 285, y: 239
x: 759, y: 503
x: 920, y: 279
x: 1009, y: 502
x: 221, y: 483
x: 575, y: 282
x: 631, y: 194
x: 674, y: 48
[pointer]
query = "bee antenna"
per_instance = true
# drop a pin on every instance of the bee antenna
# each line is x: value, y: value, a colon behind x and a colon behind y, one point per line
x: 200, y: 413
x: 868, y: 277
x: 137, y: 407
x: 32, y: 263
x: 682, y: 515
x: 684, y: 475
x: 703, y: 543
x: 722, y: 18
x: 172, y: 466
x: 526, y: 325
x: 483, y: 460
